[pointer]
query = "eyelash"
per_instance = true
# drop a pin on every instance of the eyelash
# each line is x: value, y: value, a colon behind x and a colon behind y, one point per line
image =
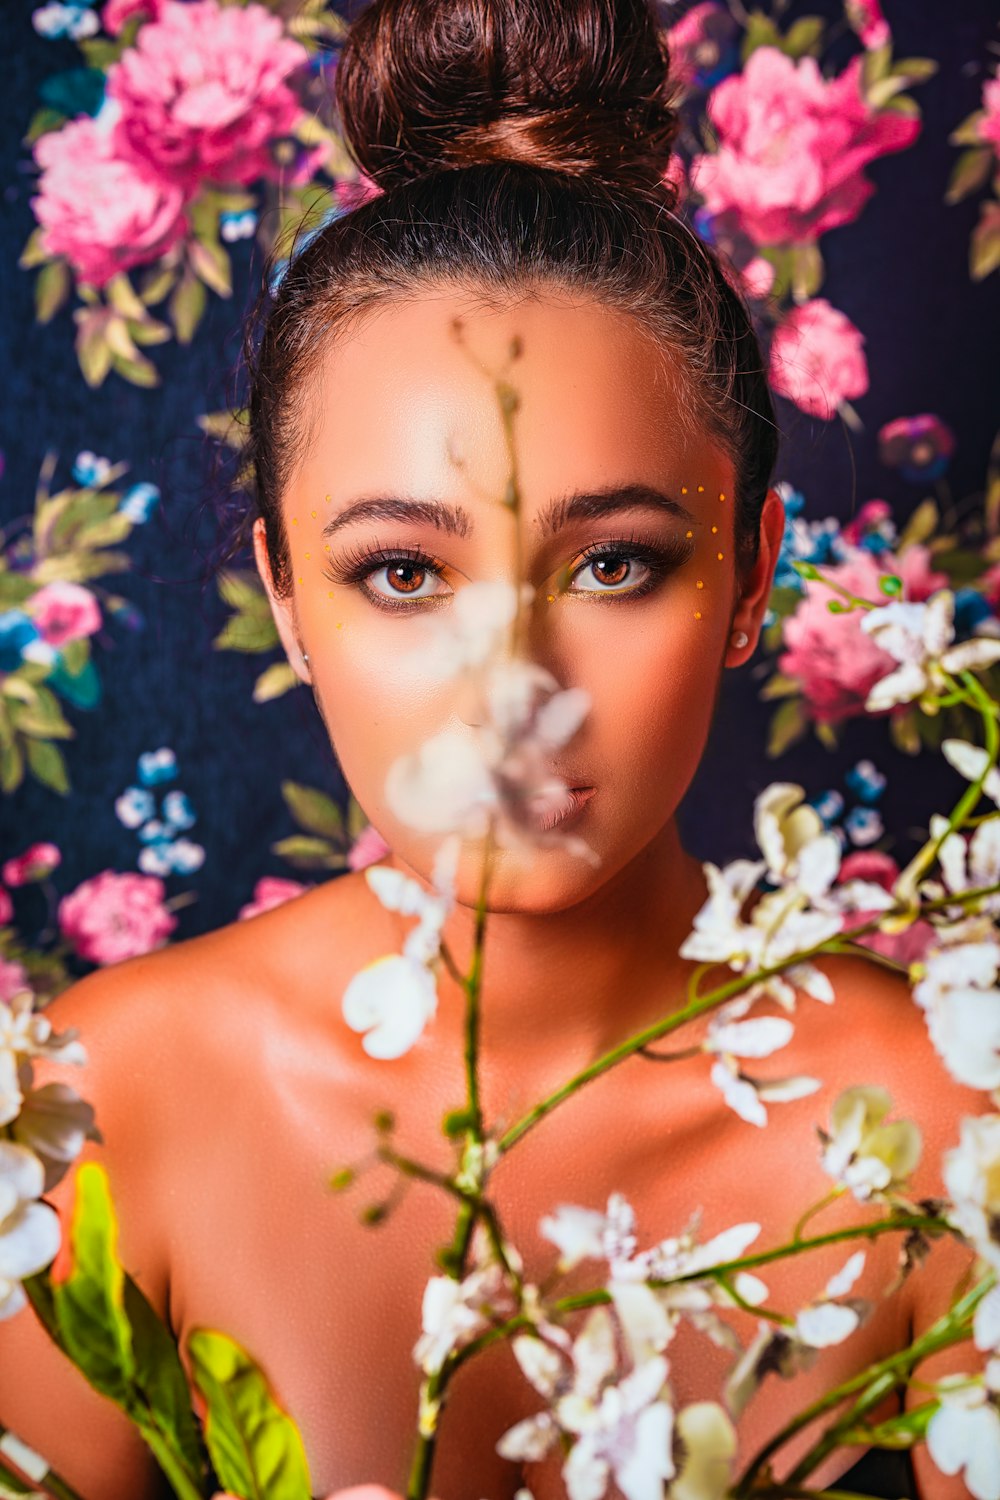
x: 660, y: 559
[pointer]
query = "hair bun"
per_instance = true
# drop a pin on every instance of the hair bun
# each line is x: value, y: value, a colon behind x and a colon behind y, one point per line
x: 576, y: 85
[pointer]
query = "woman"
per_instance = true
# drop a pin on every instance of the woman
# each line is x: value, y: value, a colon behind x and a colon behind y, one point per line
x: 524, y: 233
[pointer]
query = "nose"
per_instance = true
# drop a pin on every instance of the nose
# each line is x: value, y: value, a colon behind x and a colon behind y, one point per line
x: 470, y: 707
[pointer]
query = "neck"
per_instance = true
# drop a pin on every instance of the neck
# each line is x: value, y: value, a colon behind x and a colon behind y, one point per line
x: 584, y: 978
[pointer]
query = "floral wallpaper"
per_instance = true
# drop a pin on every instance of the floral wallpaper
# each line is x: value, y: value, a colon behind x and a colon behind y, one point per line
x: 161, y: 773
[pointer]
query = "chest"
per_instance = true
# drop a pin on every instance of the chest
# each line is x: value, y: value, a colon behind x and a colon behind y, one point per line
x: 330, y: 1305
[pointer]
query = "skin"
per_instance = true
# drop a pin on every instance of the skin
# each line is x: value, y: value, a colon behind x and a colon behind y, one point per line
x: 227, y: 1085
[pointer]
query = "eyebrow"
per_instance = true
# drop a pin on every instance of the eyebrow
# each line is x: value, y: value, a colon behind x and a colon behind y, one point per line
x: 579, y: 506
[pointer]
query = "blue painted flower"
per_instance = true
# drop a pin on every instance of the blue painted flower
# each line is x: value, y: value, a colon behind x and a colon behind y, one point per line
x: 157, y: 765
x: 21, y: 640
x: 90, y: 469
x: 180, y: 857
x: 971, y: 609
x: 237, y: 226
x: 176, y: 808
x: 139, y: 502
x: 75, y: 20
x: 817, y: 542
x: 134, y: 806
x: 864, y: 825
x: 866, y: 781
x: 829, y: 805
x: 155, y: 831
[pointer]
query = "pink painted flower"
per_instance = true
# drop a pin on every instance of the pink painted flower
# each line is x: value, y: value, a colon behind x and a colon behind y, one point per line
x: 64, y: 612
x: 834, y: 661
x: 203, y: 93
x: 13, y: 978
x: 792, y: 146
x: 817, y: 359
x: 866, y: 18
x: 699, y: 41
x: 368, y: 847
x: 100, y: 212
x: 115, y: 916
x: 270, y: 891
x: 989, y: 123
x: 117, y: 12
x: 6, y: 906
x: 37, y: 861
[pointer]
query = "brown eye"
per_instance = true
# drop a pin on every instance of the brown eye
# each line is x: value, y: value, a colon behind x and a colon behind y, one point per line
x: 609, y: 573
x: 405, y: 578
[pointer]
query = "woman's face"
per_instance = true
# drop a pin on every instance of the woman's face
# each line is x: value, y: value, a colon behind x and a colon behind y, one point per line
x: 406, y: 411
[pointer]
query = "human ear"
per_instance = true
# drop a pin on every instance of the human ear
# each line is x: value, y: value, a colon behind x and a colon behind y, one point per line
x: 283, y: 610
x: 751, y: 605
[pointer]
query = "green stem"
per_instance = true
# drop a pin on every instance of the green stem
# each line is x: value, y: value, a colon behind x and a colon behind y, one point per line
x: 940, y: 1335
x: 817, y: 1208
x: 51, y: 1482
x: 473, y: 991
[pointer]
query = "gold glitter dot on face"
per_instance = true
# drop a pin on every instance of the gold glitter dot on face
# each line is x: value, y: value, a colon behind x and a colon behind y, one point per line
x: 697, y: 614
x: 313, y: 514
x: 327, y: 547
x: 714, y: 530
x: 722, y: 497
x: 307, y: 557
x: 330, y: 594
x: 719, y: 556
x: 328, y: 499
x: 700, y: 584
x: 552, y: 598
x: 689, y: 533
x: 295, y: 520
x: 701, y: 489
x: 684, y: 489
x: 300, y: 580
x: 340, y: 624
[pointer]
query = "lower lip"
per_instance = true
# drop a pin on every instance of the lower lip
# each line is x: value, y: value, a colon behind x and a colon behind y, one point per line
x: 578, y: 798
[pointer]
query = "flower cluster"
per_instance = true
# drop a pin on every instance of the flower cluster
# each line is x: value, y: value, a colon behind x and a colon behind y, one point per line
x: 783, y: 163
x: 42, y: 1130
x: 198, y: 100
x: 52, y: 609
x: 163, y: 851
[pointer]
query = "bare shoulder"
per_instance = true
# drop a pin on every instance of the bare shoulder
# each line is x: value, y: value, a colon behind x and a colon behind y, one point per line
x: 876, y: 1033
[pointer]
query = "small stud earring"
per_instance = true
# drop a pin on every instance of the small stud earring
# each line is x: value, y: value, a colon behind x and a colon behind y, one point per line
x: 740, y: 639
x: 305, y: 656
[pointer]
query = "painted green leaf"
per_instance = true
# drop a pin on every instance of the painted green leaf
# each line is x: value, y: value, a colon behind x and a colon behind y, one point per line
x: 313, y: 810
x: 186, y: 307
x: 921, y: 526
x: 254, y: 1446
x: 357, y: 818
x: 243, y: 633
x: 788, y: 724
x: 984, y: 248
x: 307, y: 853
x: 245, y: 592
x: 51, y: 289
x: 761, y: 31
x: 806, y: 36
x: 46, y: 764
x: 89, y: 1304
x: 969, y: 173
x: 11, y: 766
x: 138, y: 371
x: 276, y: 679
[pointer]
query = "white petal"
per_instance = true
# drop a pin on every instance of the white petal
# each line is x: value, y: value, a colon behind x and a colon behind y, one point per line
x: 986, y: 1325
x: 740, y: 1095
x: 443, y: 787
x: 29, y: 1239
x: 901, y: 686
x: 968, y: 655
x: 840, y: 1284
x: 755, y: 1038
x: 641, y: 1475
x: 540, y: 1363
x: 578, y: 1233
x: 825, y: 1323
x: 531, y: 1439
x: 391, y: 1000
x: 786, y: 1090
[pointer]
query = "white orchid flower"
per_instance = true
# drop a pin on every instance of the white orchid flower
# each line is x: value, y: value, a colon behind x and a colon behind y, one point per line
x: 29, y: 1231
x: 27, y: 1033
x: 473, y: 631
x: 707, y: 1440
x: 392, y: 999
x: 864, y: 1152
x: 971, y: 761
x: 791, y: 836
x: 577, y: 1233
x: 971, y: 1172
x: 964, y: 1434
x: 626, y: 1435
x: 827, y: 1321
x: 54, y: 1123
x: 919, y: 637
x: 957, y: 990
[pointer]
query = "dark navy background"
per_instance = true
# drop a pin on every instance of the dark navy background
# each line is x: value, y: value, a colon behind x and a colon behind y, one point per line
x: 900, y: 273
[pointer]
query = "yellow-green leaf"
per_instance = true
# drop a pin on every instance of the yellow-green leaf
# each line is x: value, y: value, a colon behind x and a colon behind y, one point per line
x: 969, y: 173
x: 89, y: 1304
x: 51, y: 289
x: 313, y: 810
x: 275, y: 680
x: 46, y: 764
x: 307, y: 853
x: 255, y: 1447
x: 788, y: 724
x: 186, y: 306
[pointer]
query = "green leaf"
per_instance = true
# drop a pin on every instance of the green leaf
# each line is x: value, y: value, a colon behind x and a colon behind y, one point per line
x: 11, y: 766
x: 89, y: 1304
x: 761, y: 31
x: 984, y: 248
x: 876, y: 64
x: 806, y: 36
x: 123, y: 298
x: 273, y: 681
x: 788, y: 724
x: 903, y: 731
x: 157, y: 282
x: 186, y: 307
x: 780, y: 686
x: 46, y: 764
x: 167, y: 1420
x: 915, y: 69
x: 51, y: 289
x: 969, y: 173
x: 93, y: 353
x: 243, y: 633
x: 922, y: 524
x: 889, y: 583
x: 457, y: 1122
x: 807, y: 272
x: 254, y: 1446
x: 75, y: 655
x: 357, y: 818
x: 307, y: 853
x: 34, y: 252
x: 313, y: 810
x: 209, y: 261
x: 967, y: 133
x: 41, y: 122
x: 245, y: 592
x: 137, y: 371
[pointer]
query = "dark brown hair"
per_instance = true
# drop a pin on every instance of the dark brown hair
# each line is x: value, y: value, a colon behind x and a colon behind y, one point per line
x: 519, y: 145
